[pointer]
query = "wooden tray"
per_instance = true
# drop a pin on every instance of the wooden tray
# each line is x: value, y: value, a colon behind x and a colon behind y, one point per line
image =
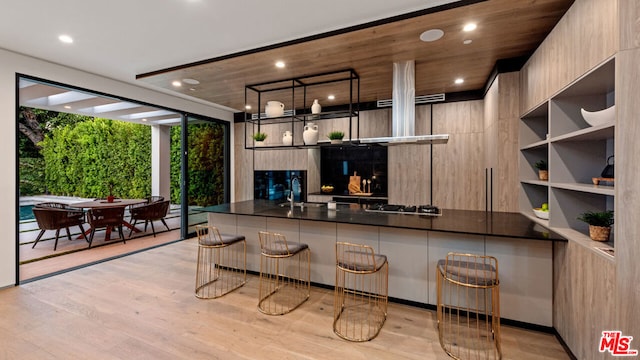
x: 596, y: 180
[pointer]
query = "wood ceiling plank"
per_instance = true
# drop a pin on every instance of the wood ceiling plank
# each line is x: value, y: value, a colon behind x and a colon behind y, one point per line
x: 506, y: 29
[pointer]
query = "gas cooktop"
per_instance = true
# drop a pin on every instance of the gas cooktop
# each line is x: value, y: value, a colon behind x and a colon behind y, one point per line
x: 429, y: 210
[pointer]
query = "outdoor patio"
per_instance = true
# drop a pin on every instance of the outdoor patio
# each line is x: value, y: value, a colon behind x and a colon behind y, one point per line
x: 42, y: 259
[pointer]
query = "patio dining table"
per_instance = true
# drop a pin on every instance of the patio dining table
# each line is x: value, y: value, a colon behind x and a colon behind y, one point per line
x: 103, y: 203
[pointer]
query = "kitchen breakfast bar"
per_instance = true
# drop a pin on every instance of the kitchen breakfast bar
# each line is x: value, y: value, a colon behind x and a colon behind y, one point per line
x: 413, y: 244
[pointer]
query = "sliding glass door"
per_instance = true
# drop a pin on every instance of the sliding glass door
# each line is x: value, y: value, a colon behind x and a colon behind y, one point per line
x: 205, y: 159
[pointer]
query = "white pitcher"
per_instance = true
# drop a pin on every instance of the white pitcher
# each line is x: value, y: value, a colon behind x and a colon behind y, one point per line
x: 310, y: 134
x: 287, y: 138
x: 274, y: 109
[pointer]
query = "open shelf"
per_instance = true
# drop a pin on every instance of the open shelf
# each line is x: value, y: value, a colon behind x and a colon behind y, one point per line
x: 296, y: 96
x: 587, y: 188
x: 576, y: 152
x: 601, y: 132
x: 534, y: 126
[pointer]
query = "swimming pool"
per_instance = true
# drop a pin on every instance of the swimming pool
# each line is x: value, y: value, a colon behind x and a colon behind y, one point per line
x: 26, y: 213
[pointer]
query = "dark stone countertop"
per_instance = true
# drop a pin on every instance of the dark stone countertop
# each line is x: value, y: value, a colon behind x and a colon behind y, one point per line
x: 500, y: 224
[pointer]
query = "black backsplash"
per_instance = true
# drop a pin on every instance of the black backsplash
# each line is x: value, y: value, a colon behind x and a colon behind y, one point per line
x: 339, y: 162
x: 276, y: 184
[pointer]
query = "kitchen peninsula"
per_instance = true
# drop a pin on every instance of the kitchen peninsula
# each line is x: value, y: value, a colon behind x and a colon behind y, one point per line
x: 413, y: 244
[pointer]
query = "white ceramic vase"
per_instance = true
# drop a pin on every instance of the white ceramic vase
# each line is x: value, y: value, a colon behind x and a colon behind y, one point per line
x: 316, y: 108
x: 274, y: 109
x: 287, y: 138
x: 310, y: 134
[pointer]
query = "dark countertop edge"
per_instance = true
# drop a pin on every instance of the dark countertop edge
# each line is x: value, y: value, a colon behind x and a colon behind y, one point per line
x: 377, y: 197
x: 398, y: 227
x: 259, y: 214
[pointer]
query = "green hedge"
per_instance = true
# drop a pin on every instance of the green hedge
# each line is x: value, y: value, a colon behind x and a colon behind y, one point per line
x: 206, y: 164
x: 31, y: 176
x: 81, y: 159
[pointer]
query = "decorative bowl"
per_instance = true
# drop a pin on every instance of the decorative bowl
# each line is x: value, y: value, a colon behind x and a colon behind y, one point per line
x: 595, y: 118
x: 541, y: 214
x: 327, y: 189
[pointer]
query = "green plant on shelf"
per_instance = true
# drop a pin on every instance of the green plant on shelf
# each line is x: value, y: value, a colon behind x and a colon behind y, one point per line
x: 336, y: 135
x: 541, y: 165
x: 597, y: 218
x: 259, y: 136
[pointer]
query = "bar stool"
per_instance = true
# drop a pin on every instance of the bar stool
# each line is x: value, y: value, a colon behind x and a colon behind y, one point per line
x: 361, y: 293
x: 222, y: 262
x: 285, y: 274
x: 468, y: 309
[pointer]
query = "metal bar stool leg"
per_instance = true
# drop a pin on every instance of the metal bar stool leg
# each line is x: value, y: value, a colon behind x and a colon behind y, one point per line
x: 221, y: 263
x: 468, y: 306
x: 285, y: 274
x: 361, y: 292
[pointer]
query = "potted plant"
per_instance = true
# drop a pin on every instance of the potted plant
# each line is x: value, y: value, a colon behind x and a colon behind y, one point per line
x: 336, y: 137
x: 110, y: 185
x: 599, y: 224
x: 259, y: 138
x: 543, y: 170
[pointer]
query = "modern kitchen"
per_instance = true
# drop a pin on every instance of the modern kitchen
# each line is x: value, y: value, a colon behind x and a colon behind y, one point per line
x: 454, y: 182
x: 339, y: 152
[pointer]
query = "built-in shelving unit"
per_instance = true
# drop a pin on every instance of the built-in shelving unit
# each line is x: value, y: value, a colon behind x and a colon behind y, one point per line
x: 298, y: 95
x: 576, y: 152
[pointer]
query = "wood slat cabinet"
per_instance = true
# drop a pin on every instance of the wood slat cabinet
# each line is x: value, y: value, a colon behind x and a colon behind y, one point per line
x: 556, y: 132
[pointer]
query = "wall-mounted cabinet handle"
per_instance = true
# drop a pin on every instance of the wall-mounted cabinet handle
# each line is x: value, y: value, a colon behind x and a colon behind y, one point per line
x: 488, y: 189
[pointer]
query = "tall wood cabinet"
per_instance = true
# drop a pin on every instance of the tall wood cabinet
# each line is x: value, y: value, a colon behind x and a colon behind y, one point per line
x: 501, y: 122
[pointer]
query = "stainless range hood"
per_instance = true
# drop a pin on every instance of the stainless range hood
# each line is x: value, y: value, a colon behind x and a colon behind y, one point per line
x: 403, y: 111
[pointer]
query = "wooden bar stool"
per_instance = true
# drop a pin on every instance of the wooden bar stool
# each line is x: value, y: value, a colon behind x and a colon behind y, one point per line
x: 468, y: 310
x: 222, y: 262
x: 285, y: 274
x: 361, y: 293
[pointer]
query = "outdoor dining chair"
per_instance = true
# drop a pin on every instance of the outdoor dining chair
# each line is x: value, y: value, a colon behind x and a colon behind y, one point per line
x: 106, y: 217
x: 149, y: 213
x: 149, y: 200
x: 56, y: 216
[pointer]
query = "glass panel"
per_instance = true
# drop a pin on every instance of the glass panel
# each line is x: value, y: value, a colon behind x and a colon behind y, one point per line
x: 206, y: 163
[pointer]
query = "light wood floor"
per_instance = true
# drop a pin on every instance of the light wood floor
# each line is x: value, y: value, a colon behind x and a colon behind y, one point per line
x: 142, y: 306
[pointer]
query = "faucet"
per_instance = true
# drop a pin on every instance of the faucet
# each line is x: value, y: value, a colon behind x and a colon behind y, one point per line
x: 295, y: 184
x: 290, y: 199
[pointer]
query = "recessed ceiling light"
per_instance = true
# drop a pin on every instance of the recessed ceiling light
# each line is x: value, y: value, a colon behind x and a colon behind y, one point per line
x: 67, y: 107
x: 331, y: 97
x: 431, y: 35
x: 144, y: 119
x: 459, y: 81
x: 176, y: 83
x: 248, y: 107
x: 191, y: 81
x: 470, y: 27
x: 280, y: 64
x: 65, y: 39
x: 467, y: 42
